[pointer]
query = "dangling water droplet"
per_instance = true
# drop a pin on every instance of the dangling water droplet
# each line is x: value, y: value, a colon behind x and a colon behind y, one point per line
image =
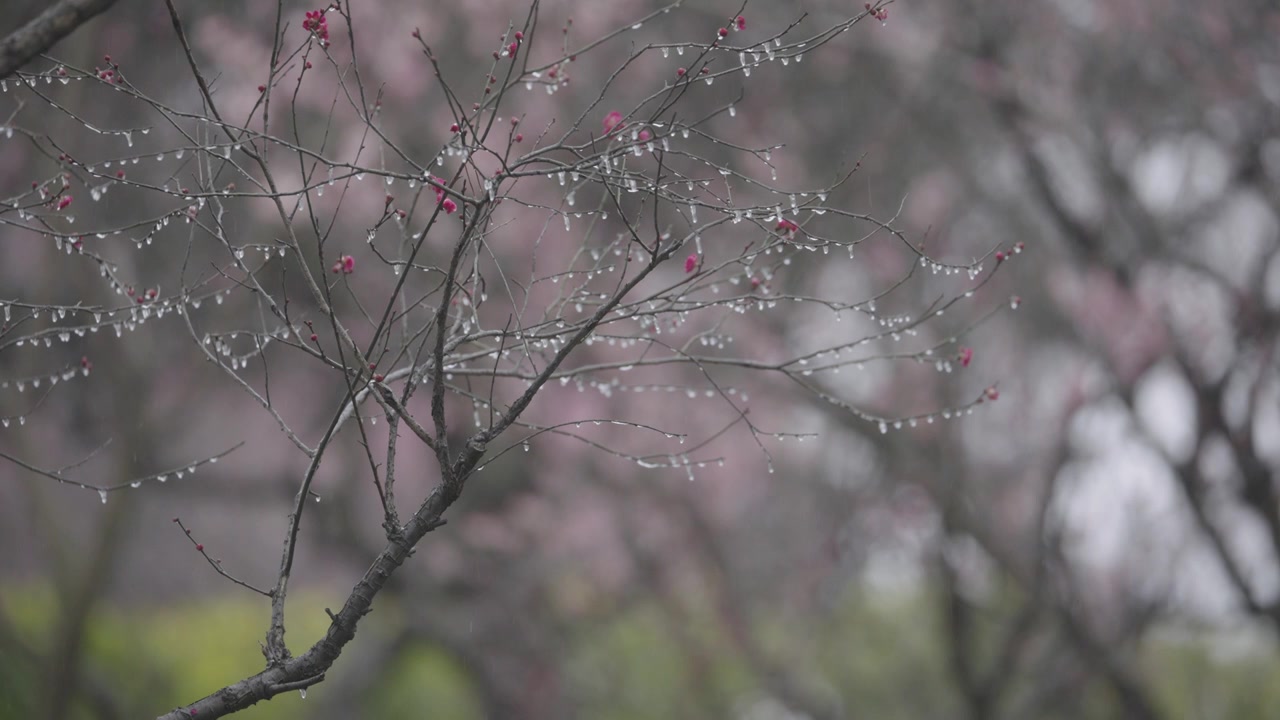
x: 102, y: 495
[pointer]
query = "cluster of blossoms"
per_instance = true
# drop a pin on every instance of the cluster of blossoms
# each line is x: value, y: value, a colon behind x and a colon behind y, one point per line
x: 1001, y: 256
x: 739, y: 23
x: 111, y: 73
x: 445, y: 202
x: 508, y: 51
x: 145, y: 296
x: 317, y: 24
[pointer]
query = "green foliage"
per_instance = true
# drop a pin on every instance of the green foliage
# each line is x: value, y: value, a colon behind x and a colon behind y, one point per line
x: 886, y: 652
x: 642, y: 664
x: 158, y: 659
x: 883, y: 656
x: 1227, y: 675
x: 425, y: 682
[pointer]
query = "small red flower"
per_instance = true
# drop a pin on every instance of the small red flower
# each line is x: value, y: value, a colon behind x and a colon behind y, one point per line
x: 612, y: 122
x: 966, y: 356
x: 449, y: 206
x: 519, y: 35
x: 680, y: 72
x: 199, y: 547
x: 345, y: 265
x: 519, y: 137
x: 64, y: 202
x: 740, y: 23
x: 691, y: 262
x: 786, y: 226
x: 645, y: 136
x: 85, y: 362
x: 993, y: 393
x: 724, y: 32
x: 453, y: 128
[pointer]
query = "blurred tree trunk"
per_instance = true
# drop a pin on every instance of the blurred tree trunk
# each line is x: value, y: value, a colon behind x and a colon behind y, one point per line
x: 23, y: 42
